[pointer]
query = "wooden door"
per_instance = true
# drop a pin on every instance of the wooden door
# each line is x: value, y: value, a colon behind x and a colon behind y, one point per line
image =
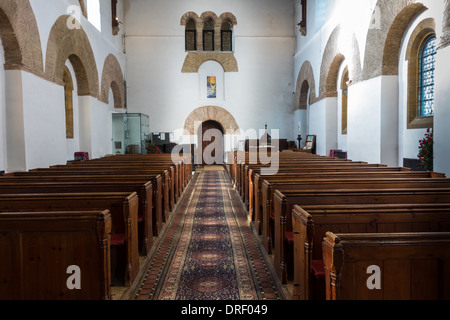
x: 209, y: 134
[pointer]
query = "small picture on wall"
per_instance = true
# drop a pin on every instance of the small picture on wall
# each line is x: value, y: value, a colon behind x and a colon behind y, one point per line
x: 211, y: 86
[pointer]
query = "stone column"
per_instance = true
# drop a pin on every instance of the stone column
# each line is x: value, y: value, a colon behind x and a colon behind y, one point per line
x: 199, y: 26
x: 218, y: 37
x: 445, y: 39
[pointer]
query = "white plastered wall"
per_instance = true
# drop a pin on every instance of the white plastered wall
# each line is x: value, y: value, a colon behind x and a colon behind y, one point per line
x: 32, y: 116
x: 260, y: 92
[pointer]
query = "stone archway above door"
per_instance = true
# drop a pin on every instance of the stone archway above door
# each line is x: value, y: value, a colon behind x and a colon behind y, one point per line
x: 218, y: 114
x: 194, y: 60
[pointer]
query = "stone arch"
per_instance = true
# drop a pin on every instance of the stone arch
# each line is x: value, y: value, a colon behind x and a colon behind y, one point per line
x: 188, y: 16
x: 72, y: 44
x: 332, y: 76
x: 20, y: 37
x: 305, y: 83
x: 228, y: 16
x: 112, y: 77
x: 391, y: 19
x: 194, y: 60
x: 342, y: 44
x: 420, y: 33
x: 214, y: 113
x: 209, y: 14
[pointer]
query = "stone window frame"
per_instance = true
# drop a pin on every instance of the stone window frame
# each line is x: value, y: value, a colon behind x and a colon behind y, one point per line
x: 217, y: 32
x: 422, y: 57
x: 423, y: 30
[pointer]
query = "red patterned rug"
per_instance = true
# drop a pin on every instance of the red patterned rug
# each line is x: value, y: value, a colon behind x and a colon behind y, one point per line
x: 209, y: 251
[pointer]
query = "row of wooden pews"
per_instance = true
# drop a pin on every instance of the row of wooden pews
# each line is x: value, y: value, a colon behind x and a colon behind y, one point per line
x: 99, y: 215
x: 313, y: 211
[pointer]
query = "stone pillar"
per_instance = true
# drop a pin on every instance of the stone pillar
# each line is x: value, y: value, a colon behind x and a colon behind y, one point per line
x: 199, y: 26
x: 445, y: 39
x: 218, y: 37
x: 15, y: 124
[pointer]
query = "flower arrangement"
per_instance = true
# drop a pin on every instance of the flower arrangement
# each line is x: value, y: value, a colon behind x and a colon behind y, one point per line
x: 153, y: 149
x: 426, y: 151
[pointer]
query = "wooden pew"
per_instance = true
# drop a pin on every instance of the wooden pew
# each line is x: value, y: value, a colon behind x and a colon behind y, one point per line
x: 287, y: 160
x: 288, y: 165
x: 412, y: 266
x: 161, y: 203
x: 143, y: 189
x: 285, y: 200
x: 171, y: 176
x: 123, y: 208
x: 356, y: 182
x: 184, y: 165
x: 255, y: 181
x: 256, y: 202
x: 320, y: 168
x: 310, y: 224
x: 36, y: 249
x: 255, y: 188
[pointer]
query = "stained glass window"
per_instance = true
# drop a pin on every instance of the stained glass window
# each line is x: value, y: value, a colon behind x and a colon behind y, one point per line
x: 426, y: 76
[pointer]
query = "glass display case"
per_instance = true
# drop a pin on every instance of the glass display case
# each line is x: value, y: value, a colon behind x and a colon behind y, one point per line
x: 131, y: 131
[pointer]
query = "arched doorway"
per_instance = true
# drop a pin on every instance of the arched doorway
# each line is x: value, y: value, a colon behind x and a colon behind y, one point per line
x: 210, y: 143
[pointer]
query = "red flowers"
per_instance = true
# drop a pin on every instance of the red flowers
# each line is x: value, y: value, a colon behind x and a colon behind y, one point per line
x: 153, y: 149
x: 426, y: 151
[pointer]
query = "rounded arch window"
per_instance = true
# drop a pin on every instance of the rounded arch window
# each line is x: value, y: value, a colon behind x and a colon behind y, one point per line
x: 191, y: 35
x: 227, y: 36
x: 208, y: 35
x: 427, y: 55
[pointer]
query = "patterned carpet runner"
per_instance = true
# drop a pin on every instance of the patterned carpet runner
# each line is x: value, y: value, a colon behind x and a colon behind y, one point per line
x: 208, y: 251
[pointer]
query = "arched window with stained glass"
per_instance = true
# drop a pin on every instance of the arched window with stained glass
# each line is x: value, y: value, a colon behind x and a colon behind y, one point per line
x: 427, y: 55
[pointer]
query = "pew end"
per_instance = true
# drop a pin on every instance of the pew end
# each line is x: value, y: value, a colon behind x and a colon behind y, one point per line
x: 387, y: 266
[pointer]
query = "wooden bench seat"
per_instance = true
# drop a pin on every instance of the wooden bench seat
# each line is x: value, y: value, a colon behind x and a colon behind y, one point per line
x: 321, y: 169
x: 174, y: 179
x: 285, y: 200
x: 290, y: 166
x: 146, y: 214
x: 160, y: 196
x: 269, y: 185
x: 36, y: 249
x: 326, y: 166
x: 256, y: 200
x: 123, y: 208
x: 183, y: 165
x: 182, y: 168
x: 412, y: 266
x: 310, y: 224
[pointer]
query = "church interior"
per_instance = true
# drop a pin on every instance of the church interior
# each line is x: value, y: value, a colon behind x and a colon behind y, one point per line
x: 301, y: 153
